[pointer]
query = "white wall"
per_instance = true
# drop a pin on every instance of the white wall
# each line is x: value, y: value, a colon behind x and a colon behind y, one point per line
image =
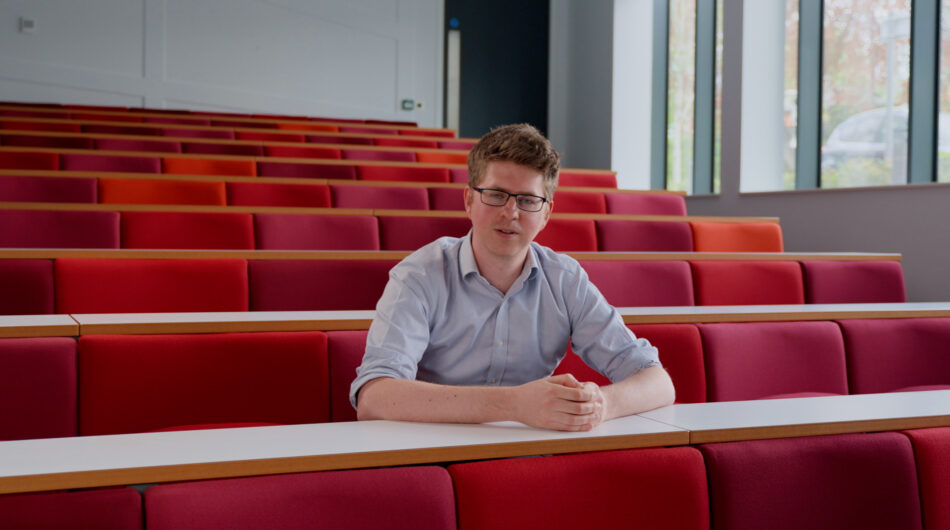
x: 345, y: 58
x: 632, y: 92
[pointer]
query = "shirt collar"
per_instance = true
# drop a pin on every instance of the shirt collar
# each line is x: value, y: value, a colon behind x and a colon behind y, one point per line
x: 468, y: 265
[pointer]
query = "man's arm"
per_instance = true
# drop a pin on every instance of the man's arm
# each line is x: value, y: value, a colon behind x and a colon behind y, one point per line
x: 645, y: 390
x: 558, y: 402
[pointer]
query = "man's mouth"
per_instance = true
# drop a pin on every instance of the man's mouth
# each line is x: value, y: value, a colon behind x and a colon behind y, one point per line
x: 506, y: 232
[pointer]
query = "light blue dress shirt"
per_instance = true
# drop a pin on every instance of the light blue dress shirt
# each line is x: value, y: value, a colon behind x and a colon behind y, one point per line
x: 439, y: 320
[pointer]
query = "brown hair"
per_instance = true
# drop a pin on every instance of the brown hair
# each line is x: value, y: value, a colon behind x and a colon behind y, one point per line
x: 520, y: 143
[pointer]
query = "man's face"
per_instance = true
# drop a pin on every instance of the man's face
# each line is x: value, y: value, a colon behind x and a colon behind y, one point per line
x: 505, y: 232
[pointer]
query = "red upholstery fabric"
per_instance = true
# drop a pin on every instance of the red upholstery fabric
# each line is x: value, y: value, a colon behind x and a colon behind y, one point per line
x: 145, y: 191
x: 388, y: 156
x: 87, y: 116
x: 459, y: 176
x: 59, y: 229
x: 403, y: 174
x: 27, y: 287
x: 122, y: 129
x: 587, y: 180
x: 345, y: 349
x: 747, y: 282
x: 446, y: 199
x: 418, y: 132
x: 569, y: 235
x: 201, y: 378
x: 150, y: 286
x: 579, y: 202
x: 121, y: 144
x: 753, y: 360
x: 62, y: 142
x: 891, y: 354
x: 47, y: 189
x: 574, y: 365
x: 367, y: 130
x: 307, y: 171
x: 103, y: 509
x: 302, y: 152
x: 317, y: 285
x: 460, y: 145
x: 316, y: 232
x: 836, y: 282
x: 403, y: 498
x: 389, y: 197
x: 24, y: 160
x: 411, y: 233
x: 125, y: 164
x: 40, y: 126
x: 188, y: 230
x: 204, y: 148
x: 737, y: 237
x: 819, y: 483
x: 643, y: 488
x: 276, y: 194
x: 303, y: 126
x: 217, y: 134
x: 618, y: 235
x: 269, y: 136
x: 645, y: 204
x: 642, y: 283
x: 176, y: 121
x: 932, y: 450
x: 37, y: 388
x: 242, y: 124
x: 441, y: 157
x: 343, y: 140
x: 681, y: 352
x: 209, y: 166
x: 405, y: 142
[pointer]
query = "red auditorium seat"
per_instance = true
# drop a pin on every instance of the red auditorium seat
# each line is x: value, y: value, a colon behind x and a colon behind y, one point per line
x: 27, y: 287
x: 579, y: 202
x: 835, y: 282
x: 201, y: 379
x: 435, y: 134
x: 307, y: 171
x: 316, y: 232
x: 61, y: 142
x: 819, y: 483
x: 384, y: 156
x: 37, y: 388
x: 458, y: 176
x: 187, y: 230
x: 645, y: 204
x: 405, y: 142
x: 736, y: 237
x: 205, y: 148
x: 317, y: 285
x: 101, y: 509
x: 401, y: 498
x: 130, y: 130
x: 147, y: 191
x: 569, y: 235
x: 747, y: 282
x: 642, y: 283
x: 27, y: 160
x: 215, y: 134
x: 242, y: 124
x: 888, y: 355
x: 345, y: 140
x: 433, y: 157
x: 177, y: 121
x: 34, y: 114
x: 458, y: 145
x: 618, y: 235
x: 121, y: 144
x: 150, y: 286
x: 124, y: 164
x: 208, y: 166
x: 269, y: 136
x: 40, y: 126
x: 388, y: 197
x: 288, y: 151
x: 587, y: 180
x: 411, y: 233
x: 932, y: 450
x: 301, y: 126
x: 753, y: 360
x: 278, y: 194
x: 367, y: 130
x: 86, y: 116
x: 345, y: 350
x: 642, y: 488
x: 47, y: 189
x: 446, y: 199
x: 403, y: 174
x: 58, y: 229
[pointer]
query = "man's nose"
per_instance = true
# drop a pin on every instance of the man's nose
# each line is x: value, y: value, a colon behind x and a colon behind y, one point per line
x: 511, y: 206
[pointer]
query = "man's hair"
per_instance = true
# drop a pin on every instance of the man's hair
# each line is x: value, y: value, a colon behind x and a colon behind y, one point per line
x: 520, y: 143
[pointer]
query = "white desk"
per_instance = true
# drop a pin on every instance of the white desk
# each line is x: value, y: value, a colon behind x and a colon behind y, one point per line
x: 225, y: 322
x: 38, y: 326
x: 777, y: 313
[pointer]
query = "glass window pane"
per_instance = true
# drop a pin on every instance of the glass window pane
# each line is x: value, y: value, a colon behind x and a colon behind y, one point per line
x: 943, y: 122
x: 790, y: 101
x: 865, y: 89
x: 717, y: 146
x: 681, y: 101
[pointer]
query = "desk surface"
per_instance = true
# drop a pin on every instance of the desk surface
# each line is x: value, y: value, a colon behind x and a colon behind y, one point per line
x: 38, y: 326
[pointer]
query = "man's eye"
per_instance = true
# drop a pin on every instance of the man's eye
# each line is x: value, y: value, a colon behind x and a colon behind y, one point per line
x: 496, y: 195
x: 528, y: 201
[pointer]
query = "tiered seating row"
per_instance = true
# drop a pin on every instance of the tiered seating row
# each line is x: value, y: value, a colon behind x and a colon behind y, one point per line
x: 49, y: 281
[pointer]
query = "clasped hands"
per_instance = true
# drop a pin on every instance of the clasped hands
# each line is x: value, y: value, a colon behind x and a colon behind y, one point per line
x: 561, y: 403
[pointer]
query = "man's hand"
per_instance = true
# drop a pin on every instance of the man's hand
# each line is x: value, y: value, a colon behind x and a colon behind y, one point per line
x: 560, y: 402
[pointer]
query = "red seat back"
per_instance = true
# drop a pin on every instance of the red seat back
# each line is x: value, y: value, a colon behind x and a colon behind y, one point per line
x: 102, y: 509
x: 316, y: 232
x: 26, y: 160
x: 278, y: 194
x: 446, y: 199
x: 147, y: 191
x: 209, y: 166
x: 681, y: 352
x: 204, y: 148
x: 47, y: 189
x: 307, y: 171
x: 387, y: 156
x: 187, y: 230
x: 411, y: 233
x: 932, y: 451
x: 122, y: 164
x: 403, y: 174
x: 389, y: 197
x: 345, y: 350
x: 839, y: 282
x: 645, y: 204
x: 579, y: 202
x: 317, y: 285
x: 580, y: 179
x: 747, y: 282
x: 27, y: 287
x: 37, y: 388
x: 619, y: 235
x: 123, y: 144
x: 288, y: 151
x: 569, y: 235
x: 737, y: 237
x: 642, y: 283
x: 59, y: 229
x: 61, y: 142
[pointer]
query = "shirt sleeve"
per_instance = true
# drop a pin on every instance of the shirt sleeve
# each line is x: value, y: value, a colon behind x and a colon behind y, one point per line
x: 399, y: 333
x: 598, y: 334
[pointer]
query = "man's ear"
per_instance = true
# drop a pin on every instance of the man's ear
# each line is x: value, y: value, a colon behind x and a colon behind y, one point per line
x: 467, y: 198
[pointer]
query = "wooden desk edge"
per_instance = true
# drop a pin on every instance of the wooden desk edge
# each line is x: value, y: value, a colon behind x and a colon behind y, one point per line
x: 166, y: 328
x: 53, y: 330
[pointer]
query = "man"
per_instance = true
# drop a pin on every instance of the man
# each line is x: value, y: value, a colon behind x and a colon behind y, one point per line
x: 469, y: 329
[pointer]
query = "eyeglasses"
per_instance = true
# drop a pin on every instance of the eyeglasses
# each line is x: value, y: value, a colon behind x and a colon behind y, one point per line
x: 524, y: 201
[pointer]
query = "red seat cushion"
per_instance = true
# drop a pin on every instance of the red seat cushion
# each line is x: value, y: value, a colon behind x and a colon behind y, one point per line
x: 209, y: 166
x: 59, y: 229
x: 193, y: 379
x: 643, y: 488
x: 278, y: 194
x: 619, y: 235
x: 288, y: 151
x: 204, y: 148
x: 367, y: 130
x: 150, y: 286
x: 123, y: 144
x: 381, y: 155
x: 47, y: 189
x: 932, y: 451
x: 410, y: 498
x: 123, y: 164
x: 62, y: 142
x: 316, y: 232
x: 269, y: 136
x: 681, y: 352
x: 892, y: 354
x: 642, y: 283
x: 587, y: 180
x: 579, y: 202
x: 569, y: 235
x: 309, y: 171
x: 148, y: 191
x: 403, y: 174
x: 102, y: 509
x: 645, y: 204
x: 411, y: 233
x: 37, y: 388
x: 27, y: 287
x: 822, y: 483
x: 379, y: 197
x: 25, y: 160
x: 753, y: 360
x: 317, y: 285
x: 217, y: 134
x: 837, y: 282
x: 446, y: 199
x: 737, y: 237
x: 342, y: 140
x: 345, y: 349
x: 187, y: 230
x: 747, y: 282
